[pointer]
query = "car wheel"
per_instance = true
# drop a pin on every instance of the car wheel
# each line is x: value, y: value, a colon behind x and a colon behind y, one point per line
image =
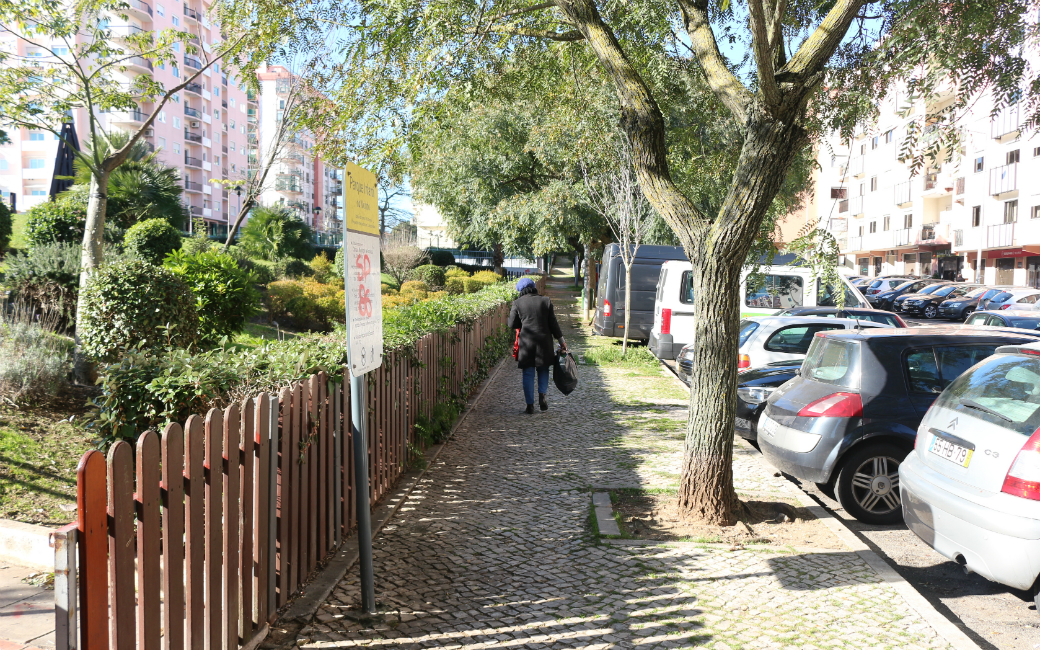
x: 826, y: 488
x: 868, y: 484
x: 968, y: 311
x: 930, y: 311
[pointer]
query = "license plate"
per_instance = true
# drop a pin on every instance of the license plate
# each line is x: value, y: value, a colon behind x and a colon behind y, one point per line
x: 768, y: 426
x: 950, y: 451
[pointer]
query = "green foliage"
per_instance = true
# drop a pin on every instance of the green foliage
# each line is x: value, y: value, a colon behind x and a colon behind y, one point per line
x: 289, y: 267
x: 321, y: 267
x: 262, y: 270
x: 307, y: 304
x: 611, y: 355
x: 225, y: 295
x: 56, y: 222
x: 487, y: 277
x: 151, y: 240
x: 6, y: 226
x: 455, y: 285
x: 133, y: 304
x: 34, y: 362
x: 473, y: 285
x: 431, y: 274
x: 405, y: 325
x: 439, y: 257
x: 414, y: 286
x: 274, y: 233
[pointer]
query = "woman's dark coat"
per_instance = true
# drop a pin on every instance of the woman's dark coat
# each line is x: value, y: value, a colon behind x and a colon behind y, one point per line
x: 533, y: 315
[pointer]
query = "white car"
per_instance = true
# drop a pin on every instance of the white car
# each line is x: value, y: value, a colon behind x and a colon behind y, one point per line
x: 1014, y: 298
x: 769, y: 339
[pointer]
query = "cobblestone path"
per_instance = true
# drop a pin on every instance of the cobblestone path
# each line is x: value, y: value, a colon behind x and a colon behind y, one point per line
x: 494, y: 548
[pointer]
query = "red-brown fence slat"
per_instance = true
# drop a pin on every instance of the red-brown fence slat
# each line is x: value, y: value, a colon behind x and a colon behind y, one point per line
x: 232, y: 523
x: 285, y: 577
x: 262, y: 499
x: 247, y: 496
x: 121, y: 545
x: 195, y: 532
x: 149, y: 623
x: 214, y: 528
x: 328, y: 492
x: 297, y: 570
x: 92, y: 510
x: 349, y: 499
x: 313, y: 467
x: 173, y: 536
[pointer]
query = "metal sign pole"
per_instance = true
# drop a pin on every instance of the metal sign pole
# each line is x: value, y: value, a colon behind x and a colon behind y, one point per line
x: 358, y: 421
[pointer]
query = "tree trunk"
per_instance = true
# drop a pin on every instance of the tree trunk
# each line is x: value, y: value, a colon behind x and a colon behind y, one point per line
x: 586, y: 294
x: 628, y: 306
x: 499, y: 258
x: 91, y: 257
x: 242, y: 212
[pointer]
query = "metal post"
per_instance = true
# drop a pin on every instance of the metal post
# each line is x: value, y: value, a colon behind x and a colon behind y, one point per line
x: 65, y: 587
x: 359, y: 423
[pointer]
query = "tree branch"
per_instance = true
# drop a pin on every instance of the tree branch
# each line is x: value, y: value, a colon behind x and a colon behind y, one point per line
x: 533, y: 33
x: 763, y: 55
x: 821, y: 44
x: 523, y: 10
x: 730, y: 91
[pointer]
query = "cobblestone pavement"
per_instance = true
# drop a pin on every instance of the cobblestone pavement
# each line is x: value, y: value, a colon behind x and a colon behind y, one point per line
x: 494, y: 547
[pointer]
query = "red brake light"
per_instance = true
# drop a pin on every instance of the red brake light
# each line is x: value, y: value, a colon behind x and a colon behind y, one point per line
x: 902, y: 323
x: 743, y: 362
x: 836, y: 405
x: 1006, y: 306
x: 1023, y: 479
x: 606, y: 307
x: 666, y: 321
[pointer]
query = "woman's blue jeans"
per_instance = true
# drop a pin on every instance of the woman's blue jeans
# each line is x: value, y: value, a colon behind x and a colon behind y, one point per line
x: 543, y: 382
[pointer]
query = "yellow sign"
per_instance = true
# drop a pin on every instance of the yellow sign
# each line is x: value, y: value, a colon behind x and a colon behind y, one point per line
x: 361, y: 200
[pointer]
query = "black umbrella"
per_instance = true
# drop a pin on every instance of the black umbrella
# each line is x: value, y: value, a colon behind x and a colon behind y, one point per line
x: 63, y: 169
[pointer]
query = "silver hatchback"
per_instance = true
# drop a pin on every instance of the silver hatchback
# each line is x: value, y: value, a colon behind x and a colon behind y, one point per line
x: 971, y: 488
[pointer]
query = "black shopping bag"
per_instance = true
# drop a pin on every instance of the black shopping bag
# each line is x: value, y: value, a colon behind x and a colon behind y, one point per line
x: 565, y: 373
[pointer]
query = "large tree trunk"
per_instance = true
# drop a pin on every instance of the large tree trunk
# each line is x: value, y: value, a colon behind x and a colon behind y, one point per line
x: 628, y: 306
x: 499, y: 258
x: 706, y: 490
x: 91, y: 256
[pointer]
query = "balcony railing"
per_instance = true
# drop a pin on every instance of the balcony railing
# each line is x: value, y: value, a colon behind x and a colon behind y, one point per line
x: 843, y: 205
x: 192, y: 162
x: 191, y: 13
x: 191, y: 112
x: 192, y: 62
x: 958, y: 237
x: 223, y: 103
x: 854, y: 244
x: 194, y: 88
x: 129, y: 116
x: 192, y: 187
x: 857, y: 166
x: 139, y: 6
x: 959, y: 186
x: 140, y: 62
x: 1000, y: 236
x: 928, y: 233
x: 1003, y: 179
x: 903, y: 237
x: 224, y: 148
x: 856, y: 205
x: 902, y: 193
x: 195, y: 210
x: 125, y: 31
x: 191, y: 136
x: 1006, y: 122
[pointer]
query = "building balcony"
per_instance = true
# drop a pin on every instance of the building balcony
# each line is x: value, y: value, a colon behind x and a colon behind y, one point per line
x: 193, y: 88
x: 1007, y: 122
x: 127, y: 117
x: 856, y: 206
x: 138, y: 64
x: 192, y: 62
x: 123, y: 32
x: 191, y: 13
x: 288, y: 184
x: 192, y: 187
x: 901, y: 194
x: 223, y: 148
x: 854, y: 245
x: 936, y: 183
x: 958, y: 238
x: 843, y: 206
x: 192, y: 162
x: 195, y: 210
x: 191, y: 136
x: 139, y: 9
x: 223, y: 80
x: 1003, y: 179
x: 191, y: 112
x: 958, y: 186
x: 1000, y: 236
x: 904, y: 237
x: 857, y: 166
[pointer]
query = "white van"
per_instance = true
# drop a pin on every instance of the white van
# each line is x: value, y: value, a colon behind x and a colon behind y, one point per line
x: 781, y: 287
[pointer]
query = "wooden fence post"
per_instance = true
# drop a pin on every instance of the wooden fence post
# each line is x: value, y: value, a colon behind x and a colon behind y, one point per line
x: 92, y: 507
x: 173, y: 536
x: 149, y: 617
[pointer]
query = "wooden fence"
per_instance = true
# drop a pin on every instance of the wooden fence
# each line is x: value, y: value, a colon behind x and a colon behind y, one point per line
x: 159, y: 566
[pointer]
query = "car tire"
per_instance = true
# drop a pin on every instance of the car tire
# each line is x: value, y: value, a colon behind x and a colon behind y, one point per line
x: 868, y: 484
x: 826, y: 488
x: 968, y: 311
x: 930, y: 311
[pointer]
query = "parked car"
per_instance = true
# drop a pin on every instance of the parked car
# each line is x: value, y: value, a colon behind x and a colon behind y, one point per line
x: 769, y: 339
x: 1016, y: 318
x: 960, y: 307
x: 927, y: 304
x: 1025, y: 298
x: 610, y: 292
x: 883, y: 284
x: 971, y: 488
x: 897, y: 302
x: 851, y: 416
x: 754, y: 389
x: 859, y: 281
x: 884, y: 300
x: 774, y: 289
x: 872, y: 315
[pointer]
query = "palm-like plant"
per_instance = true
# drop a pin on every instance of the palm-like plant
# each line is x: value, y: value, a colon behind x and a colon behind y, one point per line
x: 274, y: 232
x: 139, y: 189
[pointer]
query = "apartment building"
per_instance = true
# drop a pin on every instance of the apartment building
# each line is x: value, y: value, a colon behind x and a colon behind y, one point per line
x: 976, y: 216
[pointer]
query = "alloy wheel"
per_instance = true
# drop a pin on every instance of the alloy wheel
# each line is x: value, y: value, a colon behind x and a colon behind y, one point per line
x: 875, y: 485
x: 930, y: 311
x: 968, y: 312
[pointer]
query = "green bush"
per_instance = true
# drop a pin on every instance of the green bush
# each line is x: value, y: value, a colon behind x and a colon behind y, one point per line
x: 415, y: 286
x: 34, y: 362
x: 5, y: 226
x: 321, y: 267
x: 55, y: 222
x: 472, y: 285
x: 275, y: 232
x: 225, y: 295
x: 638, y: 356
x: 487, y: 277
x: 151, y: 240
x: 196, y: 244
x: 294, y: 268
x: 440, y: 258
x: 262, y: 270
x: 432, y: 275
x: 455, y: 286
x: 133, y: 304
x: 455, y: 272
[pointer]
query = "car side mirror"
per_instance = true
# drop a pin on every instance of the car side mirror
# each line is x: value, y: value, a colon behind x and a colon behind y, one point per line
x: 798, y: 373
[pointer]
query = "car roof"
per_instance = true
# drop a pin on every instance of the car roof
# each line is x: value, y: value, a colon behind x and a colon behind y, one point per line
x: 803, y: 311
x: 648, y: 252
x: 929, y: 335
x: 1020, y: 313
x: 780, y: 321
x: 1021, y: 292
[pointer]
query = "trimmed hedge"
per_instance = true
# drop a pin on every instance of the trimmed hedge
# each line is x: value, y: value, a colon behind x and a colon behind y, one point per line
x: 430, y: 274
x: 225, y: 295
x: 151, y: 240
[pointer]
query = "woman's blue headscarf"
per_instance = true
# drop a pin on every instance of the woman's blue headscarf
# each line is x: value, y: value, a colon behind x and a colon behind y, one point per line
x: 523, y: 283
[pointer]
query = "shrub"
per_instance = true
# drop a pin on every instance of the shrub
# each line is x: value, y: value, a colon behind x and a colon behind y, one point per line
x: 337, y: 263
x: 472, y: 285
x: 261, y: 269
x: 487, y: 277
x: 34, y: 362
x: 5, y: 226
x: 455, y: 286
x: 386, y: 289
x: 456, y: 272
x: 293, y: 268
x: 306, y: 304
x: 151, y: 240
x: 415, y: 286
x: 225, y: 295
x: 133, y: 304
x: 321, y: 267
x: 55, y: 222
x: 440, y: 258
x: 275, y: 232
x: 196, y: 244
x: 432, y: 275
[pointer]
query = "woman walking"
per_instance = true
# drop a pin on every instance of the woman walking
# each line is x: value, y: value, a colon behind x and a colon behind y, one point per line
x: 535, y: 319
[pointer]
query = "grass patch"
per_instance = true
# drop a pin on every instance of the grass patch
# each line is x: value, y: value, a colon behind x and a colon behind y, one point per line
x: 638, y: 357
x: 389, y: 279
x: 18, y: 223
x: 256, y: 333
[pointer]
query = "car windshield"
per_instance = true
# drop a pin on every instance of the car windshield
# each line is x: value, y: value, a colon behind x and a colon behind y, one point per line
x: 747, y: 328
x: 1001, y: 297
x: 906, y: 285
x: 832, y: 361
x: 932, y: 288
x: 944, y: 291
x: 875, y: 284
x: 990, y: 293
x: 1026, y: 323
x: 1004, y: 384
x: 977, y: 292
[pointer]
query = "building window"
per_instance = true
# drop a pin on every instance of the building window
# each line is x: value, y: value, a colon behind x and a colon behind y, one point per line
x: 873, y: 142
x: 976, y: 216
x: 176, y: 122
x: 873, y: 227
x: 863, y: 149
x: 886, y: 223
x: 216, y: 113
x: 908, y: 221
x: 232, y: 146
x: 232, y: 102
x: 216, y: 91
x: 176, y: 71
x: 1035, y: 213
x: 36, y: 136
x: 859, y: 232
x: 162, y: 116
x: 37, y: 192
x: 176, y: 47
x: 161, y: 10
x: 1012, y: 157
x: 1011, y: 211
x: 839, y: 192
x: 3, y: 165
x: 37, y: 163
x: 862, y: 189
x: 162, y: 143
x: 176, y: 21
x: 59, y: 50
x: 232, y: 124
x: 1036, y: 151
x: 979, y: 166
x: 873, y: 184
x: 176, y: 97
x: 888, y: 136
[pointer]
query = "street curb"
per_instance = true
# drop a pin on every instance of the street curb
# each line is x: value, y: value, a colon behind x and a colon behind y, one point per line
x: 303, y: 609
x: 26, y: 545
x: 943, y: 626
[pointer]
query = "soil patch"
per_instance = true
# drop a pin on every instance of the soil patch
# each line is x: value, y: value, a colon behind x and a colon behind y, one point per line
x: 40, y: 447
x: 654, y: 515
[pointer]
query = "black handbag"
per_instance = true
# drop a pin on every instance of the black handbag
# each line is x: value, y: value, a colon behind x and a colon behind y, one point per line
x: 565, y: 372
